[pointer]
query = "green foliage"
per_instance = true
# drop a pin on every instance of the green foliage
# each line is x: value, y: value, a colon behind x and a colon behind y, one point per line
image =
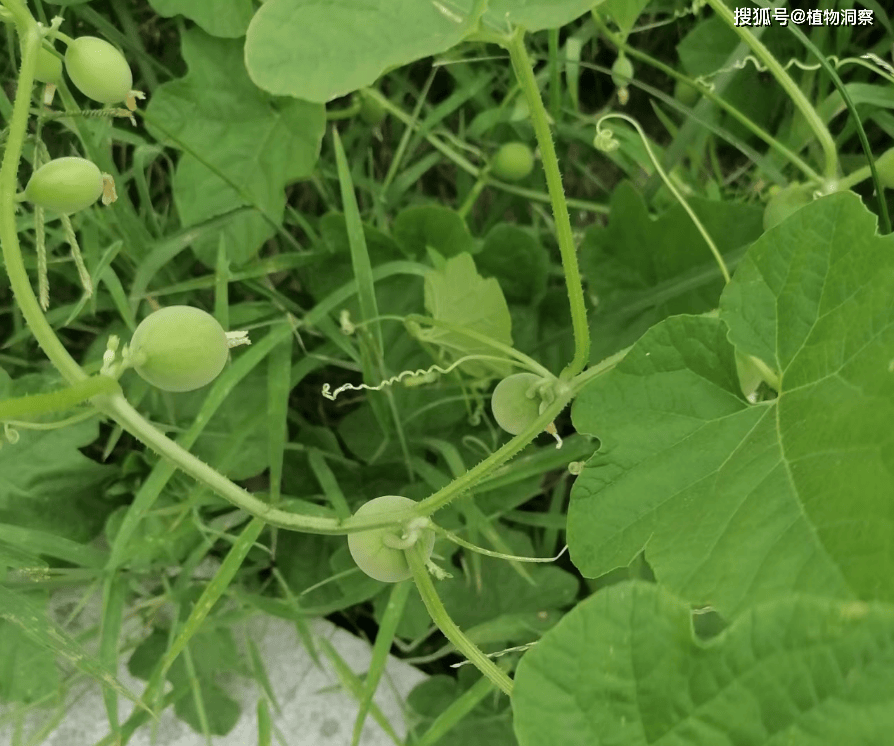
x: 727, y: 454
x: 48, y: 484
x: 623, y: 12
x: 163, y: 540
x: 536, y: 15
x: 625, y: 667
x: 489, y: 722
x: 417, y: 228
x: 211, y: 653
x: 709, y: 47
x: 296, y: 47
x: 518, y: 261
x: 196, y: 109
x: 224, y: 18
x: 643, y: 269
x: 812, y: 468
x: 786, y: 202
x: 517, y: 606
x: 456, y: 294
x: 27, y: 669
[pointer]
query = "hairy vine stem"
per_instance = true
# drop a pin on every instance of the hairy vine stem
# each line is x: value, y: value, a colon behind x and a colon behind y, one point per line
x: 521, y: 63
x: 453, y: 633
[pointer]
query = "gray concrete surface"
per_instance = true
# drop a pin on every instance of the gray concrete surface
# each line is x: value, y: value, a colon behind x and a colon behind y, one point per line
x: 315, y: 709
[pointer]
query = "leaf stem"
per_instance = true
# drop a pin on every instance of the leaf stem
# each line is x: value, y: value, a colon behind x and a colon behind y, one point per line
x: 521, y: 63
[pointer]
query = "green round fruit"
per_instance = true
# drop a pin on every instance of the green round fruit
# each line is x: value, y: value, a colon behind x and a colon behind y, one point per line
x: 179, y: 348
x: 377, y: 559
x: 98, y: 70
x: 622, y: 71
x: 371, y: 111
x: 49, y: 67
x: 786, y: 202
x: 65, y: 185
x: 884, y: 164
x: 512, y: 162
x: 514, y: 403
x: 685, y: 93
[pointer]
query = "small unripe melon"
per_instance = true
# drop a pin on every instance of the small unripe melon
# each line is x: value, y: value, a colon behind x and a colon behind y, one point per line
x: 512, y: 408
x: 98, y: 70
x: 378, y: 560
x: 179, y: 348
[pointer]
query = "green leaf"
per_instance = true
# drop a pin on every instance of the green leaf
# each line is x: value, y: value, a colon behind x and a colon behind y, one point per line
x: 623, y: 12
x: 460, y: 711
x: 736, y: 502
x: 624, y: 667
x: 303, y: 560
x: 457, y: 294
x: 227, y: 18
x: 164, y: 538
x: 813, y: 300
x: 221, y: 710
x: 28, y: 616
x: 211, y: 651
x: 707, y: 48
x: 511, y: 601
x: 49, y: 485
x: 443, y: 229
x: 28, y: 670
x: 16, y: 557
x: 517, y: 260
x: 537, y: 15
x: 332, y: 268
x: 641, y: 270
x: 320, y: 50
x: 260, y: 143
x: 146, y: 655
